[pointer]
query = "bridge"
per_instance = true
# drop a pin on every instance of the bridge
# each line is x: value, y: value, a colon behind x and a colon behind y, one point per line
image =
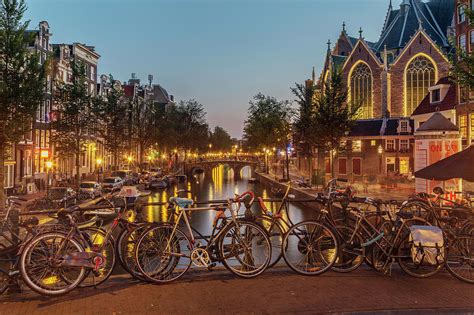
x: 206, y: 166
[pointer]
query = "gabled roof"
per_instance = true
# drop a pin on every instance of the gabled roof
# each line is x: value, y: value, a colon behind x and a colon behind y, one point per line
x: 437, y: 122
x: 160, y: 95
x: 447, y: 103
x: 434, y: 16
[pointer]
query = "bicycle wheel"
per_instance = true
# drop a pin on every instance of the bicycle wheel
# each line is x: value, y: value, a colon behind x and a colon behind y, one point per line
x: 42, y: 264
x: 276, y: 234
x: 351, y: 253
x: 310, y: 248
x: 163, y: 254
x: 96, y: 238
x: 125, y: 249
x: 5, y: 267
x: 245, y: 249
x: 460, y: 256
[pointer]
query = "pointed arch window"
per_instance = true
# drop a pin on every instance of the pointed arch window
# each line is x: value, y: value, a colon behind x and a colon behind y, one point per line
x: 361, y: 90
x: 420, y: 75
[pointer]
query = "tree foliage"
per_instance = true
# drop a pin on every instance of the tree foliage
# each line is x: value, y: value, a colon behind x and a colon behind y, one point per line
x: 21, y: 79
x: 220, y: 139
x: 76, y: 125
x: 268, y: 122
x: 463, y: 62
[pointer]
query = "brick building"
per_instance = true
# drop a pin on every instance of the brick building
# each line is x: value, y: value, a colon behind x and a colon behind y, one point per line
x: 389, y: 78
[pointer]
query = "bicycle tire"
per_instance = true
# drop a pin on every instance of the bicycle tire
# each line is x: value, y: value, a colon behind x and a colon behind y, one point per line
x: 350, y: 255
x: 301, y: 245
x: 25, y: 268
x: 463, y: 248
x: 125, y: 249
x: 261, y: 240
x: 276, y: 235
x: 146, y: 249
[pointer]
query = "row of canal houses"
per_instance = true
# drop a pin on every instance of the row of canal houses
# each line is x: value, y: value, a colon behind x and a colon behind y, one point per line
x: 412, y: 113
x: 26, y: 167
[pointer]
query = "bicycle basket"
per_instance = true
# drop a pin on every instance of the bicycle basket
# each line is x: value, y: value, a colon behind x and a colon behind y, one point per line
x: 428, y: 245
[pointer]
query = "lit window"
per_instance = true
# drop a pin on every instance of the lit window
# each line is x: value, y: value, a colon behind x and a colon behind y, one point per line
x: 373, y: 143
x: 390, y: 145
x: 361, y: 90
x: 404, y: 145
x: 390, y: 165
x: 462, y: 42
x: 419, y: 76
x: 472, y: 126
x: 356, y: 145
x: 461, y: 14
x: 463, y: 126
x: 404, y: 165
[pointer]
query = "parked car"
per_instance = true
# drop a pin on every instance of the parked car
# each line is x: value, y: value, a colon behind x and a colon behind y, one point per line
x: 112, y: 183
x: 89, y: 190
x: 123, y: 174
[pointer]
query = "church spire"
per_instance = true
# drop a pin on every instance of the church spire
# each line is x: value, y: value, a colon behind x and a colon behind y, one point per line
x: 329, y: 45
x: 360, y: 32
x: 313, y: 75
x: 344, y: 27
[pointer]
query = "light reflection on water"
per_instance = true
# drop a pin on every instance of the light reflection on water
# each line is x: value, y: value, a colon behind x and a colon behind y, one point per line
x: 221, y: 184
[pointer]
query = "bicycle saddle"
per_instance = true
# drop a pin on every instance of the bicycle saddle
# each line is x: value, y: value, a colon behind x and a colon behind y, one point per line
x: 181, y: 202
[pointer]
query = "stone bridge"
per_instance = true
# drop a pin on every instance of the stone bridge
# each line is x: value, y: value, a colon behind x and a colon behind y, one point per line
x: 206, y: 166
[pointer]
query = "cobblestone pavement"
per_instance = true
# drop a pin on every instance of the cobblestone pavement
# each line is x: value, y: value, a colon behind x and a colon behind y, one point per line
x: 277, y: 291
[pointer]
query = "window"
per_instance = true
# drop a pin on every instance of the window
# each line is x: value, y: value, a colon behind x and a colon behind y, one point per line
x: 390, y: 145
x: 463, y: 126
x: 419, y: 76
x: 390, y: 164
x: 462, y: 42
x: 342, y: 166
x: 435, y: 96
x: 471, y: 39
x: 356, y: 166
x: 403, y: 126
x: 461, y: 14
x: 404, y: 166
x: 404, y: 145
x: 472, y: 127
x: 356, y: 145
x: 373, y: 143
x: 361, y: 90
x: 8, y: 180
x: 328, y: 166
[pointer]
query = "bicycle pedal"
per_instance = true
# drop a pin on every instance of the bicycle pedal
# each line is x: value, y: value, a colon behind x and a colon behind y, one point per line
x: 211, y: 266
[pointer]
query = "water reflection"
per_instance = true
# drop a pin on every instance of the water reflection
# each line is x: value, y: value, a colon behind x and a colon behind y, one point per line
x: 220, y: 184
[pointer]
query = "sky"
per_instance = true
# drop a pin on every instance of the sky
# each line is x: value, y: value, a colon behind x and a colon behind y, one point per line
x: 219, y: 52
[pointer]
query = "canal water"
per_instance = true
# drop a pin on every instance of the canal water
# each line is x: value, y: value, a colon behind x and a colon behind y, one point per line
x: 221, y: 184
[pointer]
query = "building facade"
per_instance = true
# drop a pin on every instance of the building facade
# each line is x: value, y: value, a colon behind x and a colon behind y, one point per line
x: 389, y: 78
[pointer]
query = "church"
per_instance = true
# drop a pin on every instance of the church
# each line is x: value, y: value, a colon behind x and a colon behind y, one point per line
x: 389, y: 78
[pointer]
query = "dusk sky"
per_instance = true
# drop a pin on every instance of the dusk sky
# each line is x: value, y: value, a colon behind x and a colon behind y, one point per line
x: 220, y: 52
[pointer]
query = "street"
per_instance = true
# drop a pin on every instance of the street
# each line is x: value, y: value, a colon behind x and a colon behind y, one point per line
x: 277, y: 291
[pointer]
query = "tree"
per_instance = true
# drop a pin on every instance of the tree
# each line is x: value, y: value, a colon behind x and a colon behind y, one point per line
x: 463, y: 62
x: 76, y: 125
x: 191, y: 126
x: 220, y: 139
x: 333, y: 117
x: 21, y: 79
x: 112, y: 120
x: 268, y: 123
x: 304, y: 134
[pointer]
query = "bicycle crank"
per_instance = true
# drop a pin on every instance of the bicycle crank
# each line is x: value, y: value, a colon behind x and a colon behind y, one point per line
x: 200, y: 257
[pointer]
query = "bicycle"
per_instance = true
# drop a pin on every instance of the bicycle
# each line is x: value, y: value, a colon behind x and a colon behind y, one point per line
x: 165, y: 252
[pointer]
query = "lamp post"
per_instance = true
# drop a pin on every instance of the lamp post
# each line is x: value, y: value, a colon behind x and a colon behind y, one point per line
x: 49, y: 166
x: 129, y: 159
x: 380, y: 151
x: 99, y: 168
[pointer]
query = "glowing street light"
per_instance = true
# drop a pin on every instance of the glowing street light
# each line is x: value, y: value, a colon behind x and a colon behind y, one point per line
x: 49, y: 166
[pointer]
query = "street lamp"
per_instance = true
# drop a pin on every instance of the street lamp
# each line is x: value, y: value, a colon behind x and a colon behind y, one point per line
x: 129, y: 159
x: 380, y: 151
x: 99, y: 170
x: 49, y: 166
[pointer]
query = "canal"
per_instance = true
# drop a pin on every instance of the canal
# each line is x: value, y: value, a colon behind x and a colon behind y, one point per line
x: 221, y: 184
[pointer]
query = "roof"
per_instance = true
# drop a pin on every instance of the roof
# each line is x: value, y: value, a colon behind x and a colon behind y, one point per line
x: 366, y: 128
x: 160, y: 95
x: 338, y: 60
x: 433, y: 16
x: 379, y: 127
x: 447, y: 103
x: 437, y: 122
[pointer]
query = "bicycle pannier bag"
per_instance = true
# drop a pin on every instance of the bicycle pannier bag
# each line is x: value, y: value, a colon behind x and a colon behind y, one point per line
x: 428, y: 245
